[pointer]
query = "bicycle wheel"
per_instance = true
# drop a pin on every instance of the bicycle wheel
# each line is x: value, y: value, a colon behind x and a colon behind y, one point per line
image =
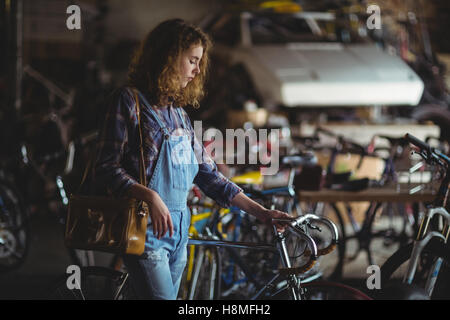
x: 205, y: 283
x: 14, y: 228
x: 396, y: 266
x: 373, y: 237
x: 326, y: 290
x: 317, y: 290
x: 94, y: 283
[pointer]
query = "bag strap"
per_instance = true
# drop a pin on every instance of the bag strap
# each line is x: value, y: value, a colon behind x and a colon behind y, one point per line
x: 142, y: 175
x: 143, y: 178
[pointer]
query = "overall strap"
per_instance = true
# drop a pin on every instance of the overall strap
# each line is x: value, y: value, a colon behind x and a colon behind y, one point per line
x: 181, y: 117
x: 142, y: 175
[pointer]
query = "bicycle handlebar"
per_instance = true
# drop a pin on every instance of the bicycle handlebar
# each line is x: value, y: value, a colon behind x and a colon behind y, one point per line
x: 418, y: 143
x: 294, y: 223
x: 313, y: 252
x: 427, y: 152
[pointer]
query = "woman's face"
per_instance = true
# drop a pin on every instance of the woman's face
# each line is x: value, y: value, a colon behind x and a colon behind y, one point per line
x: 190, y: 64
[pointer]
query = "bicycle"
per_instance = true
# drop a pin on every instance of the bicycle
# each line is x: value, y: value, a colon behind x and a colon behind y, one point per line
x: 106, y: 283
x: 425, y: 262
x: 203, y: 276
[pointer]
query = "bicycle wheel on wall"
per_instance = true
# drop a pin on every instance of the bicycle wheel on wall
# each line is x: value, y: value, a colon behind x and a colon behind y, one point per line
x: 95, y: 283
x: 396, y: 267
x: 14, y: 228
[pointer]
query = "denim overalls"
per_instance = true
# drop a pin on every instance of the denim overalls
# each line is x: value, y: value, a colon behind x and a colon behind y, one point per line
x: 157, y: 273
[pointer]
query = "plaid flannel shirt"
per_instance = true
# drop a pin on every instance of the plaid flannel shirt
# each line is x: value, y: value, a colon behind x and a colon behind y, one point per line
x: 116, y: 165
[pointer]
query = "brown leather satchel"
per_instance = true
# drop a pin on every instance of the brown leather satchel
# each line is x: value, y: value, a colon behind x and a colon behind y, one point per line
x: 105, y: 223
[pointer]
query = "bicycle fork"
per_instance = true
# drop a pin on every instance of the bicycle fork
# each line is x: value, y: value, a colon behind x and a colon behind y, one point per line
x: 293, y: 283
x: 419, y: 244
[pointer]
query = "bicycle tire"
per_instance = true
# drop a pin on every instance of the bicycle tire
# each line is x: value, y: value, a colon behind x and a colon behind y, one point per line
x: 328, y: 290
x: 207, y: 283
x: 14, y: 228
x: 434, y: 248
x: 96, y: 283
x: 320, y: 290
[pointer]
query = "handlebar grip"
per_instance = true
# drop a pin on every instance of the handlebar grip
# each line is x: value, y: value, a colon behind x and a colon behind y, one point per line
x: 327, y: 250
x: 334, y: 232
x: 323, y: 251
x: 417, y: 142
x: 307, y: 266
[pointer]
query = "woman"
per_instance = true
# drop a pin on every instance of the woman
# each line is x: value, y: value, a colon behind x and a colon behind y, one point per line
x: 168, y: 72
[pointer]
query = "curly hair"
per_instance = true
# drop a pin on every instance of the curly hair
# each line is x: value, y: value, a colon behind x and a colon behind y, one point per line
x: 154, y: 67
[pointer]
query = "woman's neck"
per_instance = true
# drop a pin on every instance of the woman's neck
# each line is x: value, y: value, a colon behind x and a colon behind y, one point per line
x: 166, y: 101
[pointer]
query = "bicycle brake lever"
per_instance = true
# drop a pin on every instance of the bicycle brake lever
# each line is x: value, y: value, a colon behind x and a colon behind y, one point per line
x: 310, y: 225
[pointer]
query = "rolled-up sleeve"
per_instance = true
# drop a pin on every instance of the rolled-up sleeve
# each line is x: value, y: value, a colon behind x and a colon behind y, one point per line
x: 215, y: 185
x: 112, y: 144
x: 209, y: 179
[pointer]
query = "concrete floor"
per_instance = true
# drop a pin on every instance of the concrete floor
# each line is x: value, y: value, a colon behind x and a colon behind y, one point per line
x: 47, y: 260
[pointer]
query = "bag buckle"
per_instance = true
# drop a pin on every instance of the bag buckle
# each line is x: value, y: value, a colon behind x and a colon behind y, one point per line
x: 142, y: 213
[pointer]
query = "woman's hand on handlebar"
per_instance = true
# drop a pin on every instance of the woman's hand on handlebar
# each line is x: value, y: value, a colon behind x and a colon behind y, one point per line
x: 265, y: 215
x: 276, y: 214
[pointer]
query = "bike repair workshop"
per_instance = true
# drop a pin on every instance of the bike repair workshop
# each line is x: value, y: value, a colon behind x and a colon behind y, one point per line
x: 224, y: 150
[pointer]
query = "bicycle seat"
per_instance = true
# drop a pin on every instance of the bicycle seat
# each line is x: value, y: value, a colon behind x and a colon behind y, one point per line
x: 248, y: 178
x: 305, y: 139
x: 352, y: 185
x: 297, y: 160
x: 334, y: 178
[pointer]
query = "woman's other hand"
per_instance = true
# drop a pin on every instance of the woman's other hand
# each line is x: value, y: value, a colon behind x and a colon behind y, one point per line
x: 159, y: 213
